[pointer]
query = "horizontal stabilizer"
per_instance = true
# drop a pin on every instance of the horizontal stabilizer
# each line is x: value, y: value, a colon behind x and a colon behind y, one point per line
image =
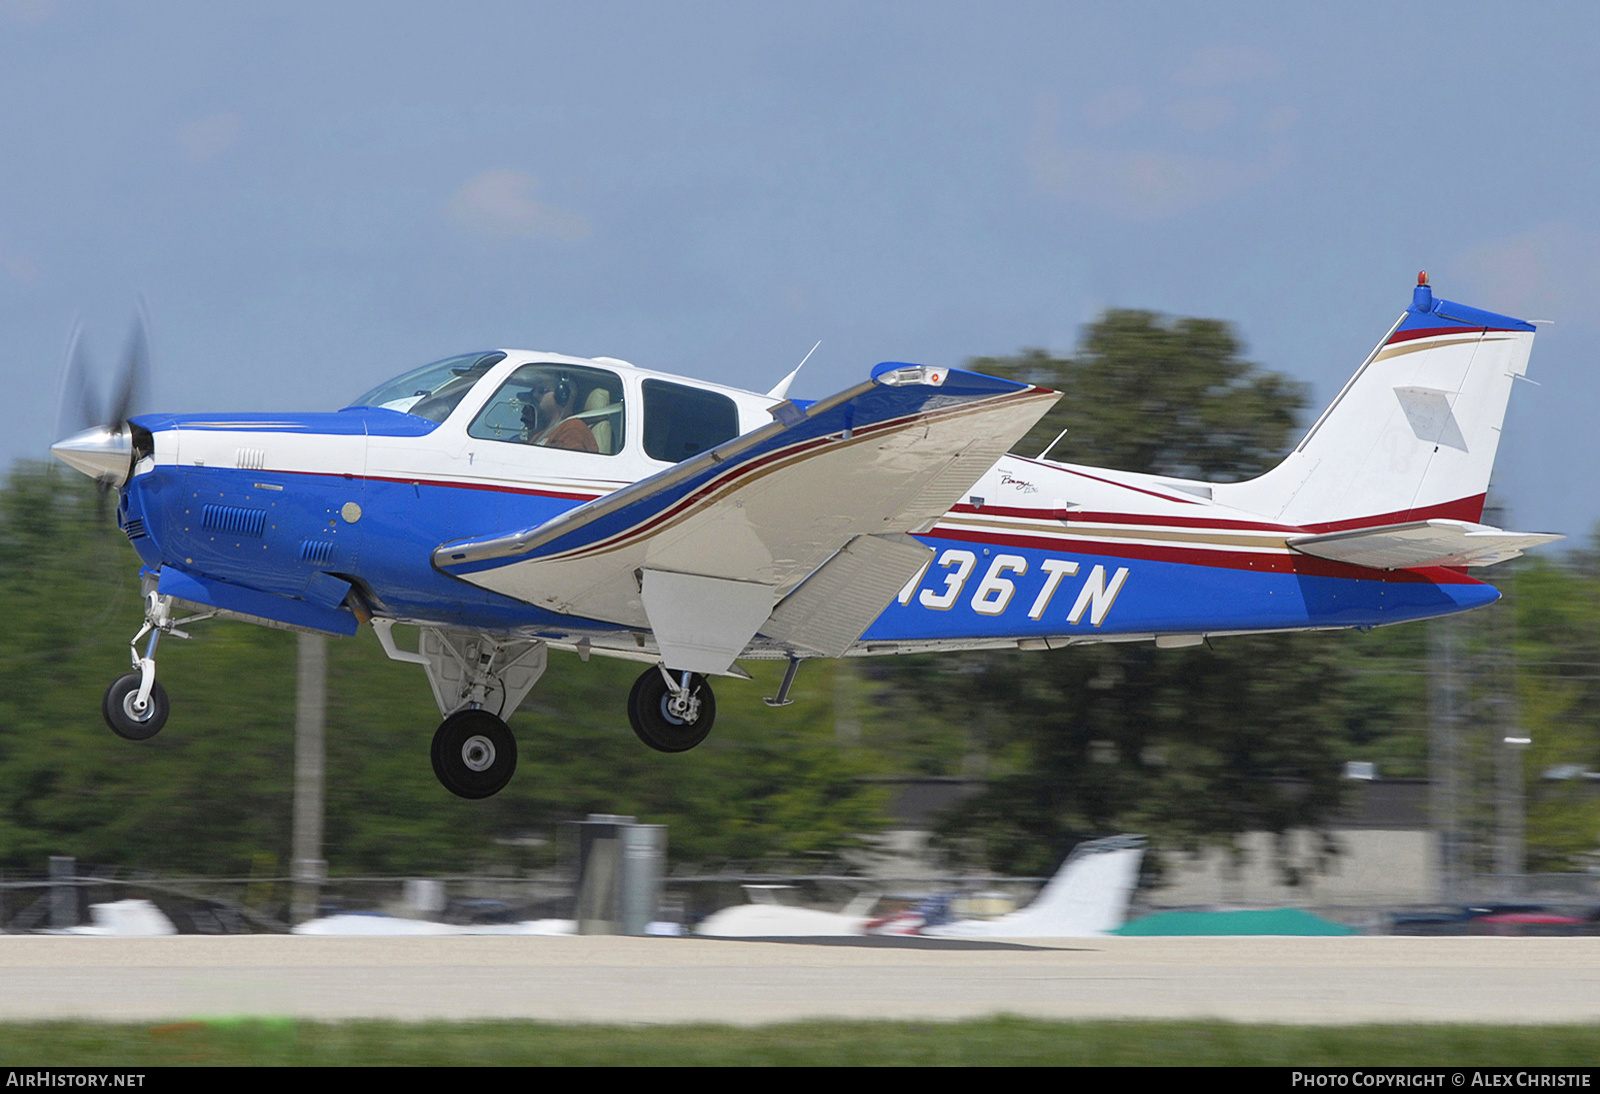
x: 1422, y: 543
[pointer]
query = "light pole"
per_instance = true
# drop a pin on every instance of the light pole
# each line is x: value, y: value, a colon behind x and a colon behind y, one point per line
x: 310, y: 869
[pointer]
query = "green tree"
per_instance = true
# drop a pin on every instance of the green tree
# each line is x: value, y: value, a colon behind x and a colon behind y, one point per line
x: 1556, y: 606
x: 1162, y: 396
x: 1189, y: 746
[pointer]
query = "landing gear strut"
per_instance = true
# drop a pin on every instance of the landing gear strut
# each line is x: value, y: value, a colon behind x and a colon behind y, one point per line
x: 474, y: 754
x: 478, y: 680
x: 671, y: 712
x: 135, y: 705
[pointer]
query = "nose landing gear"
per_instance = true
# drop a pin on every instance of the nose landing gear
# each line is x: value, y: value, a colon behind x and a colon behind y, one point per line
x: 136, y: 706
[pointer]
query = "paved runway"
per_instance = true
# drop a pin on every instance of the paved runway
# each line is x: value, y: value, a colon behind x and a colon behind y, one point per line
x: 1301, y: 980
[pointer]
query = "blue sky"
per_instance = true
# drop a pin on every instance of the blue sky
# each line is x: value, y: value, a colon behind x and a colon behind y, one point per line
x: 313, y: 197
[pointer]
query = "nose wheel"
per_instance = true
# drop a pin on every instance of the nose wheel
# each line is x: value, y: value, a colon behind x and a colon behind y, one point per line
x: 671, y: 711
x: 124, y: 714
x: 474, y: 754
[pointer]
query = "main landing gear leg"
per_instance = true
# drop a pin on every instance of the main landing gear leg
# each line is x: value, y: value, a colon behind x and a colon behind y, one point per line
x: 671, y: 712
x: 477, y: 680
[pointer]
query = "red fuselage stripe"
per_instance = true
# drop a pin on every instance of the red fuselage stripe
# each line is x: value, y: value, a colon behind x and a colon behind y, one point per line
x: 1468, y: 509
x: 1288, y: 562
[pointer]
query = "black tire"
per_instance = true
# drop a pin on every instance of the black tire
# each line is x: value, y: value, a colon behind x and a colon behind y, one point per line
x: 474, y: 754
x: 658, y: 727
x: 127, y: 723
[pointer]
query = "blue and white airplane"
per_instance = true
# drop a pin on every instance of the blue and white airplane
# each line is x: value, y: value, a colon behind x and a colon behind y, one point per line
x: 505, y: 503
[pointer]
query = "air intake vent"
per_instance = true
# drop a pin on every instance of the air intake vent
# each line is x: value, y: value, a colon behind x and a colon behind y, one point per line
x: 316, y: 551
x: 231, y: 518
x: 250, y: 459
x: 134, y: 529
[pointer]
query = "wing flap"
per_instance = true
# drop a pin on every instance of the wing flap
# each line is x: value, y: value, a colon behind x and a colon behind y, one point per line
x: 837, y: 603
x: 1422, y: 543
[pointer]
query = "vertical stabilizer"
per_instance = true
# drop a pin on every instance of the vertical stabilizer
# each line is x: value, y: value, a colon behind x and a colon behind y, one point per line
x: 1412, y: 436
x: 1088, y: 896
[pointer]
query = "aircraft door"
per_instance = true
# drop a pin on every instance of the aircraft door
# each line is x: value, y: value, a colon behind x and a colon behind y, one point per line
x: 552, y: 434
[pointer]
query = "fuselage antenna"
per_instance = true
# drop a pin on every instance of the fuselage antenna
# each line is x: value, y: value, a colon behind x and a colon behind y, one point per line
x: 1052, y: 444
x: 782, y: 390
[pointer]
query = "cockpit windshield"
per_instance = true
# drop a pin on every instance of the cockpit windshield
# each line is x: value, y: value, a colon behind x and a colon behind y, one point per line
x: 432, y: 391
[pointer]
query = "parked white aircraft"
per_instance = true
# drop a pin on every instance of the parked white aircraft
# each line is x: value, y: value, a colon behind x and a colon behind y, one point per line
x: 1088, y: 896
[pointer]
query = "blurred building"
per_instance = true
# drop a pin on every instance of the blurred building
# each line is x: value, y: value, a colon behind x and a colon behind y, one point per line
x: 1379, y: 850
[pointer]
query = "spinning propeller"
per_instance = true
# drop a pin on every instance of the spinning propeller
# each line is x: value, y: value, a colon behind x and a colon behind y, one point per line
x: 102, y: 447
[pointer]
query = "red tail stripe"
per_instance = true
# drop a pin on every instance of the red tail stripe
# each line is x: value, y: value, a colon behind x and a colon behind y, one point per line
x: 1436, y: 332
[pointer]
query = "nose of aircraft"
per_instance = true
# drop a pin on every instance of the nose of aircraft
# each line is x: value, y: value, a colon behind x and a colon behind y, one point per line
x: 103, y: 453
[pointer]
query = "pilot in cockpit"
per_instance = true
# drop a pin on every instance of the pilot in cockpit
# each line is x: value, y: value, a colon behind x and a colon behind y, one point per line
x: 547, y: 418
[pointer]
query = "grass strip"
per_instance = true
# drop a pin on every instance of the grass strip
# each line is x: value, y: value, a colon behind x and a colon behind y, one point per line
x: 1000, y: 1040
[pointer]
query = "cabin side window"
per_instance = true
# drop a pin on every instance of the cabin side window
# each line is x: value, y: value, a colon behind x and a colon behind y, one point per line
x: 556, y: 406
x: 681, y: 421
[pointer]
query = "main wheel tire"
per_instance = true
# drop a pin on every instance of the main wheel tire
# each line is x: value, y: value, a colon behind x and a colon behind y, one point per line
x: 474, y: 754
x: 656, y: 725
x: 130, y: 724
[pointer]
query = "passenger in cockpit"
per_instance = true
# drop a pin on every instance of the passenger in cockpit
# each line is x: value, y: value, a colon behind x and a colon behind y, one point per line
x: 547, y: 415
